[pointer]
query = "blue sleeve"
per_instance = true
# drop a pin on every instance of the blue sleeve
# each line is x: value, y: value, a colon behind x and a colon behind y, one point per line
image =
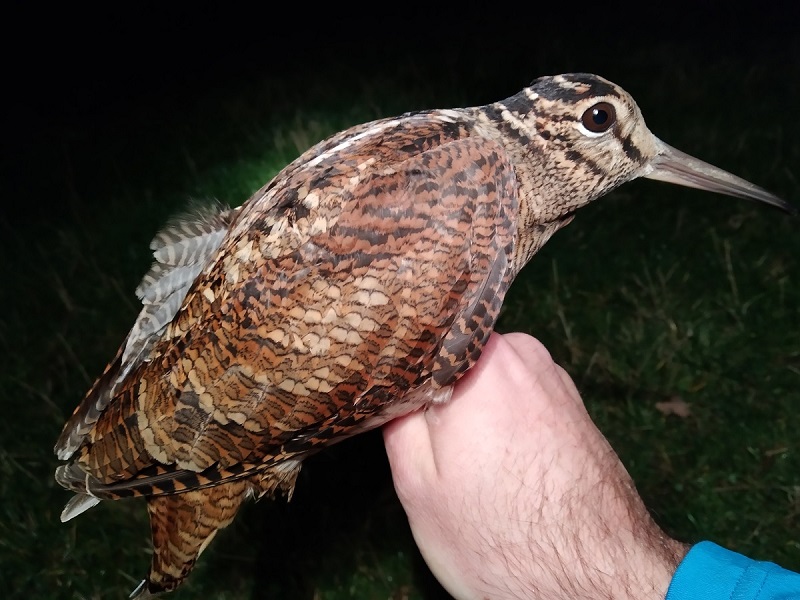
x: 710, y: 572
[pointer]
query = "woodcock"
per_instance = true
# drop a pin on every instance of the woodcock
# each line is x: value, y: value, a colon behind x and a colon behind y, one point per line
x: 358, y: 285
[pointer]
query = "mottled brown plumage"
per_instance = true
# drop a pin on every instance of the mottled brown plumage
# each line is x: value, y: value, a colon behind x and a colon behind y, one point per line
x: 356, y: 286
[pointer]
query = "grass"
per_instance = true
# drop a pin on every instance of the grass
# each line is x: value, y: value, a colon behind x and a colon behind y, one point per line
x: 653, y: 294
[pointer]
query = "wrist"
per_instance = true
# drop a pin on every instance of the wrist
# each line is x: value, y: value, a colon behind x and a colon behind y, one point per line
x: 597, y: 540
x: 654, y: 567
x: 629, y: 554
x: 614, y: 563
x: 635, y: 572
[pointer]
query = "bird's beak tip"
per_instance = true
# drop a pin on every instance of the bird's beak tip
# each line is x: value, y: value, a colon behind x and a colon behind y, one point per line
x: 674, y: 166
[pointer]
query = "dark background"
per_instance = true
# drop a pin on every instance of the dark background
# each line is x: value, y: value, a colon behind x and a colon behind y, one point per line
x: 78, y: 62
x: 70, y: 71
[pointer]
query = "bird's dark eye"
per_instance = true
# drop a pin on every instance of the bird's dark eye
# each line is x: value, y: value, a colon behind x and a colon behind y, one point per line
x: 599, y: 118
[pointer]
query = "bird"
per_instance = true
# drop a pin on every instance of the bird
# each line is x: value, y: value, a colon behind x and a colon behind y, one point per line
x: 354, y: 287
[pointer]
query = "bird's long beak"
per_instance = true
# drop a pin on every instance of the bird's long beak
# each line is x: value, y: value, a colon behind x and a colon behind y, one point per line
x: 674, y: 166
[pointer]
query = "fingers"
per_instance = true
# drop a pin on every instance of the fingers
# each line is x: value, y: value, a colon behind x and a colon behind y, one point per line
x: 569, y: 385
x: 451, y: 426
x: 528, y: 348
x: 537, y: 359
x: 477, y: 410
x: 408, y: 446
x: 515, y: 389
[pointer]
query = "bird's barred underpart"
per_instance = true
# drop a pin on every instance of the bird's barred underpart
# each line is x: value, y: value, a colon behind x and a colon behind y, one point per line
x: 356, y: 286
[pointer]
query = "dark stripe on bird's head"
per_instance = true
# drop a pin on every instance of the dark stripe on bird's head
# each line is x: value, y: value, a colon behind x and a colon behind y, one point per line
x: 581, y: 159
x: 518, y: 103
x: 551, y: 89
x: 495, y: 113
x: 630, y: 150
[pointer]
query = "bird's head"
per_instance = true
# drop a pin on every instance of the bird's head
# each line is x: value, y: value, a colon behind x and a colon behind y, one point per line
x: 590, y: 137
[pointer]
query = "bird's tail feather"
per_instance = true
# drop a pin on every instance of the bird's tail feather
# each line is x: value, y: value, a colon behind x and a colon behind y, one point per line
x: 79, y: 504
x: 182, y: 526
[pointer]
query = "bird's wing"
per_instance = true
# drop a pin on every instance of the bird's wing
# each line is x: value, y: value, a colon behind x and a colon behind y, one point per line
x: 377, y: 267
x: 181, y: 250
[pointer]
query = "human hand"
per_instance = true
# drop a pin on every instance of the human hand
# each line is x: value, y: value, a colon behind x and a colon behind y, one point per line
x: 512, y: 492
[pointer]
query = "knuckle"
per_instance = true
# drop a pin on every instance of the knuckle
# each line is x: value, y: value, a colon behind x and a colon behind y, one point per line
x: 528, y: 350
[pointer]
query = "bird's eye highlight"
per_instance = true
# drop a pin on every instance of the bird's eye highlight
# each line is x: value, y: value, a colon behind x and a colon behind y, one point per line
x: 599, y: 118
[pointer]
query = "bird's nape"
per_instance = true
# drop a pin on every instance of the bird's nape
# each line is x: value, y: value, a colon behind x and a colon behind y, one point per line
x: 673, y: 166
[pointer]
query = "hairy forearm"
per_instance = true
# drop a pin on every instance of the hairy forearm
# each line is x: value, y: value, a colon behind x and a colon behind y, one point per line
x: 512, y: 493
x: 606, y: 549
